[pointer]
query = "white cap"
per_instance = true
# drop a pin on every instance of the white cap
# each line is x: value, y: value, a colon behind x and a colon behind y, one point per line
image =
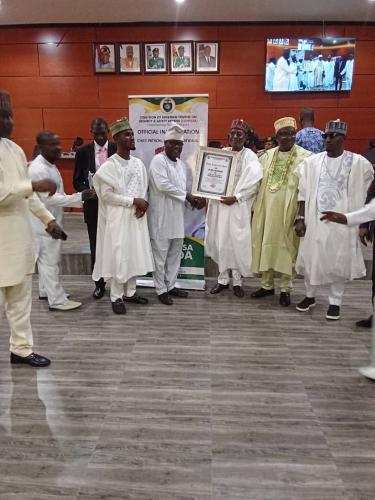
x: 174, y: 132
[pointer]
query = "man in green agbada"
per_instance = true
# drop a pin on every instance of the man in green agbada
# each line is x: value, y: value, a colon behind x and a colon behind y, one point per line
x: 275, y: 244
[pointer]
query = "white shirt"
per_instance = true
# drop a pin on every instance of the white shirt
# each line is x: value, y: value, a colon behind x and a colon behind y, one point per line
x: 167, y: 195
x: 39, y: 169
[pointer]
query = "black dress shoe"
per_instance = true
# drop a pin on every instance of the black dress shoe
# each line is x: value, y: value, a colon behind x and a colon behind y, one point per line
x: 32, y: 359
x: 99, y: 292
x: 262, y: 292
x: 177, y: 292
x: 165, y: 299
x: 285, y: 299
x: 238, y: 291
x: 218, y: 288
x: 365, y: 323
x: 118, y: 307
x: 135, y: 299
x: 42, y: 297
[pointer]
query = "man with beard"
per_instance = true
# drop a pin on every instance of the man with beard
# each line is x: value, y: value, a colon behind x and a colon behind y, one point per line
x: 275, y: 244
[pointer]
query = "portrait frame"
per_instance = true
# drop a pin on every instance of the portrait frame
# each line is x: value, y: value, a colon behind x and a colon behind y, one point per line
x: 175, y: 56
x: 98, y: 52
x: 148, y: 56
x: 202, y: 65
x: 214, y: 173
x: 136, y: 69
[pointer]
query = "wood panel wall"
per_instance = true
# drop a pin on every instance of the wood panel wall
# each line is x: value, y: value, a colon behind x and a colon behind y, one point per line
x: 49, y: 73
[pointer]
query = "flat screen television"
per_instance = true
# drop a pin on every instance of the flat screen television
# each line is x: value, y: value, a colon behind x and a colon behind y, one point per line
x: 309, y: 64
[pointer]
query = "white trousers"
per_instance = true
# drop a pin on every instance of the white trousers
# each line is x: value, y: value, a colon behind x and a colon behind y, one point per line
x: 119, y: 289
x: 336, y: 291
x: 17, y: 303
x: 48, y: 253
x: 224, y: 278
x: 167, y: 257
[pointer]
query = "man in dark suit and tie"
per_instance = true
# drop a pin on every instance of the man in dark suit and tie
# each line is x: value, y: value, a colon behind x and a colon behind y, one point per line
x: 340, y: 64
x: 88, y: 160
x: 205, y: 58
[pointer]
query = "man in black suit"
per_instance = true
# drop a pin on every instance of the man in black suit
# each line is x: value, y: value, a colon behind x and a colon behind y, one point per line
x: 88, y: 159
x: 205, y: 58
x: 340, y: 64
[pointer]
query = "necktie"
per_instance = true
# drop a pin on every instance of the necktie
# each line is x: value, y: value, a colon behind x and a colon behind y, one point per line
x: 102, y: 156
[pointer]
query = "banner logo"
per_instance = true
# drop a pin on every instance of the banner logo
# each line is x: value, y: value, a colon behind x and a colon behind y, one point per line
x: 167, y: 105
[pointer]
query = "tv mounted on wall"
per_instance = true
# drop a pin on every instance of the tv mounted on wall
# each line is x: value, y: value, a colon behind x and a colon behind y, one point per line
x: 309, y: 64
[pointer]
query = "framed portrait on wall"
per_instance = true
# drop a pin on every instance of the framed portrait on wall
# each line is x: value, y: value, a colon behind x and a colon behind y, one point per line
x: 129, y: 57
x: 104, y: 58
x: 181, y: 57
x: 207, y: 57
x: 155, y: 57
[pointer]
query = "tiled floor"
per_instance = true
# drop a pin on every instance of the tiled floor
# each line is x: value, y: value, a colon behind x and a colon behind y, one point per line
x: 214, y: 398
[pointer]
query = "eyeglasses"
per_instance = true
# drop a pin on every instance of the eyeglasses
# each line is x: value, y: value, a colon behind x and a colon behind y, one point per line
x: 291, y: 133
x: 332, y: 135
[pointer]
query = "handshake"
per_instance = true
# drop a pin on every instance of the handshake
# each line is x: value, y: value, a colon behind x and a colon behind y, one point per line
x: 196, y: 201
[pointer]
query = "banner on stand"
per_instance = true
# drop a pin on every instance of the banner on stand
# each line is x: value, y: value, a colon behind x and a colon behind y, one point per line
x: 150, y: 116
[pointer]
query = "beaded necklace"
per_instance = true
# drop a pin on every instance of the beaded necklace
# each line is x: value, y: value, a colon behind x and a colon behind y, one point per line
x: 276, y: 177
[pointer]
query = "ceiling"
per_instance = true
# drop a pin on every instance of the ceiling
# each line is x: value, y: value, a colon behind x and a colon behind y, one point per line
x: 129, y: 11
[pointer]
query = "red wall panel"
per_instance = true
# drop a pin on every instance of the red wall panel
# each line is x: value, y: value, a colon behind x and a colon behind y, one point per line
x: 49, y: 73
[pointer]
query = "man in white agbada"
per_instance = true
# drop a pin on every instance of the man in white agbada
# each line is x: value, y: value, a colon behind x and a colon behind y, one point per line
x: 17, y: 258
x: 167, y: 197
x: 348, y: 71
x: 123, y: 249
x: 335, y: 180
x: 228, y: 221
x: 48, y: 250
x: 283, y: 72
x: 318, y: 72
x: 329, y: 66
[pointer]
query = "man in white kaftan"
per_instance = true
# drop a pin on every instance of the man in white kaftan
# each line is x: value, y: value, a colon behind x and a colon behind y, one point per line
x: 48, y: 250
x: 228, y: 221
x: 330, y: 254
x: 123, y: 249
x: 283, y: 72
x: 167, y: 197
x: 329, y: 67
x: 17, y: 258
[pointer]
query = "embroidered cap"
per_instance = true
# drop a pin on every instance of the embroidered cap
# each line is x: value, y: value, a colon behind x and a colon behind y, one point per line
x: 287, y: 121
x: 336, y: 127
x: 174, y: 132
x: 240, y: 124
x: 119, y: 126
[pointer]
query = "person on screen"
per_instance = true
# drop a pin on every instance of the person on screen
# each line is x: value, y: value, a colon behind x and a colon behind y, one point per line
x: 339, y: 72
x: 283, y: 72
x: 275, y: 245
x: 228, y: 221
x: 335, y: 180
x: 270, y: 73
x: 309, y: 138
x: 156, y: 62
x: 319, y: 72
x: 293, y: 80
x: 349, y: 67
x: 329, y: 66
x: 309, y: 72
x: 300, y: 75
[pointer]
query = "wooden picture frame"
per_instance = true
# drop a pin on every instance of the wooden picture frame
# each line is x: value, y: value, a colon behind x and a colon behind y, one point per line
x: 181, y: 57
x: 155, y: 57
x: 207, y: 57
x: 129, y: 58
x: 104, y: 57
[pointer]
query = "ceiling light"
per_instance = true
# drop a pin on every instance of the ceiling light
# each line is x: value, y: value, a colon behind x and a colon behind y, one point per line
x: 179, y: 1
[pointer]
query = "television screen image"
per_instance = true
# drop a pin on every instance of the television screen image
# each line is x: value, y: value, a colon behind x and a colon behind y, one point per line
x: 309, y: 64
